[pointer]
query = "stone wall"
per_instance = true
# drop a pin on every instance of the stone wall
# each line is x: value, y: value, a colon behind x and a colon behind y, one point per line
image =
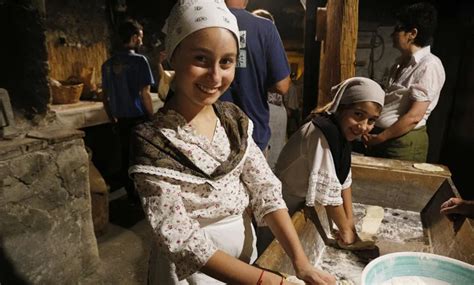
x: 46, y: 231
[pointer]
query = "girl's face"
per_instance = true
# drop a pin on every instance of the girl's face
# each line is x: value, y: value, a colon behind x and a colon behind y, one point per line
x: 204, y: 63
x: 358, y: 119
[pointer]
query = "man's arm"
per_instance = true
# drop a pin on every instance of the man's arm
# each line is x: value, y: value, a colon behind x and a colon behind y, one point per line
x: 404, y: 124
x: 282, y: 86
x: 146, y: 100
x: 105, y: 101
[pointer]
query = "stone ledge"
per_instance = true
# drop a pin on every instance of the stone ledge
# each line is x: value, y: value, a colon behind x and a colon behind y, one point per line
x: 16, y: 147
x: 89, y: 113
x: 53, y: 136
x: 36, y: 140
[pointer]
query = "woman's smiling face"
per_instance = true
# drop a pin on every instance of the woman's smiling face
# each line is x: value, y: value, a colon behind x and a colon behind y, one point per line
x: 204, y: 63
x: 357, y: 119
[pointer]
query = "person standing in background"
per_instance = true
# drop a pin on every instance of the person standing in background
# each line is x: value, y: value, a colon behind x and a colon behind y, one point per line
x: 262, y: 67
x: 277, y: 112
x: 126, y: 81
x: 294, y: 104
x: 412, y: 91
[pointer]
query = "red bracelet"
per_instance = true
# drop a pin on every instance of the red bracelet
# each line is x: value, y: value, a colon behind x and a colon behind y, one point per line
x: 281, y: 282
x: 260, y: 280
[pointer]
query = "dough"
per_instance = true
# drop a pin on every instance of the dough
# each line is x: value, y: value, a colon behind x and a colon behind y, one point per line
x: 428, y: 167
x: 372, y: 220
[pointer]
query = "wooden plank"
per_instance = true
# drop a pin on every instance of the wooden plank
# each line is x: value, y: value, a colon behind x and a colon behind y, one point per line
x: 393, y: 188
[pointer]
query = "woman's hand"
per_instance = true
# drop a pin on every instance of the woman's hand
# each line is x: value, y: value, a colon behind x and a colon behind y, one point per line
x: 371, y: 139
x: 314, y: 276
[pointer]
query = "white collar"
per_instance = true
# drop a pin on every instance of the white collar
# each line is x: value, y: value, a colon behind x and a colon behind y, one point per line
x: 421, y: 53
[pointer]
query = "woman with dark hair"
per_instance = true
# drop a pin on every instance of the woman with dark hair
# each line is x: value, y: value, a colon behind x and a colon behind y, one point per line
x: 412, y: 90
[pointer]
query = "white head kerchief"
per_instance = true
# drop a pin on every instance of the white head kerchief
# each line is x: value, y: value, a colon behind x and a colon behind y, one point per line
x: 188, y: 16
x: 355, y: 90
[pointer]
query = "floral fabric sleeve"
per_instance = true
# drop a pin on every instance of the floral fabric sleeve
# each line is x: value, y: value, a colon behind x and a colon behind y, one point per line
x: 263, y: 186
x: 179, y: 237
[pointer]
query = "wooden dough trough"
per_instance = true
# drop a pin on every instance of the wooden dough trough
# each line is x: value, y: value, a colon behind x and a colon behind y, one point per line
x: 409, y: 196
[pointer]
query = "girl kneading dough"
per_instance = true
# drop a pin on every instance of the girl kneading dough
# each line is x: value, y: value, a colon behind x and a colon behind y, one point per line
x: 315, y: 164
x: 197, y: 168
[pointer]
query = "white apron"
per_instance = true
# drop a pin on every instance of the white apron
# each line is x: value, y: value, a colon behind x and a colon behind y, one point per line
x: 234, y: 235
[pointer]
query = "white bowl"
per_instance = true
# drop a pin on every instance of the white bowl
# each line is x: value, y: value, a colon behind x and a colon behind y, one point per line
x: 431, y: 268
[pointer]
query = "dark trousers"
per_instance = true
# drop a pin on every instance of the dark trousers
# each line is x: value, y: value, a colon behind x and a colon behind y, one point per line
x: 124, y: 128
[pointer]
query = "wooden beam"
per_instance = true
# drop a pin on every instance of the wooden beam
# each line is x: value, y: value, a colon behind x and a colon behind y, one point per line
x: 312, y: 50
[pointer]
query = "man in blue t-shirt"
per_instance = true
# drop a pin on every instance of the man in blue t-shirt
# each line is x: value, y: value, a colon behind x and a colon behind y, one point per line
x: 262, y: 66
x: 126, y: 81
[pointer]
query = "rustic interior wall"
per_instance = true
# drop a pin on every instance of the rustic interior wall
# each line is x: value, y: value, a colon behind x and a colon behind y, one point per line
x: 46, y: 227
x: 450, y: 125
x: 77, y: 37
x: 23, y: 55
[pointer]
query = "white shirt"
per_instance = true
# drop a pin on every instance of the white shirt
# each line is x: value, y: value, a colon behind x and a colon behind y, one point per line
x: 306, y: 168
x: 421, y: 80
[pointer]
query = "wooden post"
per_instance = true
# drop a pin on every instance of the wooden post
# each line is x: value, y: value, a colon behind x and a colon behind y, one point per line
x: 338, y: 45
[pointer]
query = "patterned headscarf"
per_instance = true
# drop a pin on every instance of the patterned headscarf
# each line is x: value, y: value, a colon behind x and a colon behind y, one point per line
x: 189, y: 16
x: 355, y: 90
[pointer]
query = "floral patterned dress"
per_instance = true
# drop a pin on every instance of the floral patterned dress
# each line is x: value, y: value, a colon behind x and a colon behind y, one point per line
x: 180, y: 205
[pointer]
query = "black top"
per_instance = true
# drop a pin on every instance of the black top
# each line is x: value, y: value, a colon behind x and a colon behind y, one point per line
x: 339, y: 146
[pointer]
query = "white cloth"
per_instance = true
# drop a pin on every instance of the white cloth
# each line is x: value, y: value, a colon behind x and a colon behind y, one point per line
x: 177, y: 203
x: 355, y: 90
x: 306, y: 168
x: 187, y: 17
x: 421, y: 80
x: 234, y: 235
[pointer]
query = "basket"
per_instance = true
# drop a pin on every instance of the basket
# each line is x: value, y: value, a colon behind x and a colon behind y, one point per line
x: 67, y: 93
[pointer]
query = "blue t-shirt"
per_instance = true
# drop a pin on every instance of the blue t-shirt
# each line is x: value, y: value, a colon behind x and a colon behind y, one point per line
x: 262, y: 63
x: 123, y: 77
